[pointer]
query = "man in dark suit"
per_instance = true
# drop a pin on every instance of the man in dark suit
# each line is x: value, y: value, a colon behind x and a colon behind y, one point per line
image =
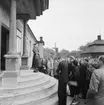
x: 62, y: 70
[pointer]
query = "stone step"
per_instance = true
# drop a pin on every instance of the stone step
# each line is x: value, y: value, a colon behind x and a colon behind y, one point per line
x: 36, y: 89
x: 29, y: 84
x: 27, y: 88
x: 30, y: 90
x: 31, y: 81
x: 26, y: 72
x: 33, y: 89
x: 37, y: 100
x: 52, y: 101
x: 24, y: 77
x: 36, y: 93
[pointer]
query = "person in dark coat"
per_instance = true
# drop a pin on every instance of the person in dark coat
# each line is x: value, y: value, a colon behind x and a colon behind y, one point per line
x: 71, y: 67
x: 62, y: 70
x: 36, y: 62
x: 74, y: 81
x: 82, y: 79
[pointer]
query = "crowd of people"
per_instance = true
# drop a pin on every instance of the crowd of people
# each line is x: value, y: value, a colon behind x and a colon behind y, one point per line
x: 84, y: 76
x: 47, y: 66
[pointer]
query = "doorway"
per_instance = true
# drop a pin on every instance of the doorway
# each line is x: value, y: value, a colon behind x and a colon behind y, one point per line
x: 4, y: 45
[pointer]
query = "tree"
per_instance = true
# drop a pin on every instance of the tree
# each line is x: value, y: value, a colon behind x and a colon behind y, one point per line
x: 75, y: 53
x: 48, y: 53
x: 64, y: 53
x: 84, y: 47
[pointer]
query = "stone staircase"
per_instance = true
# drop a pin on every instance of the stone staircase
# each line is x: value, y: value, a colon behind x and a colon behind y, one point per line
x: 33, y: 89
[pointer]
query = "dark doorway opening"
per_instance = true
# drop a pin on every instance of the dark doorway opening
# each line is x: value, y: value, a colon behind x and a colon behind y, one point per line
x: 4, y: 45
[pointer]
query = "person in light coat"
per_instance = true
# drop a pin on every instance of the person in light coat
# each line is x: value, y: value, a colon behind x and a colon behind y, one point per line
x: 95, y: 94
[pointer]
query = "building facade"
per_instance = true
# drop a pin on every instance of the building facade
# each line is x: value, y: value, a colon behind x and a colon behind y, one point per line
x: 16, y: 37
x: 95, y: 49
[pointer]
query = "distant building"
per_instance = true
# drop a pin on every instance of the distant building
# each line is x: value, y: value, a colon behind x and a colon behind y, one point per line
x: 95, y: 49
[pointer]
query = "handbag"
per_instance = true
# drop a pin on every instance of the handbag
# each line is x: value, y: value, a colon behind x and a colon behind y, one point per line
x: 73, y: 83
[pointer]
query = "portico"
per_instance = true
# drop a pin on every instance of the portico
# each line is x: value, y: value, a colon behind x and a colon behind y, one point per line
x: 23, y: 10
x: 22, y: 87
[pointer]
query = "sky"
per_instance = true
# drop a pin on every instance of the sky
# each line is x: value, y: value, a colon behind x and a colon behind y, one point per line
x: 70, y: 23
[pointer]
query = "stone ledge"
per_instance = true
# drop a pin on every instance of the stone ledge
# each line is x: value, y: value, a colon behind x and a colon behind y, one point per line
x: 9, y: 74
x: 8, y: 56
x: 24, y: 56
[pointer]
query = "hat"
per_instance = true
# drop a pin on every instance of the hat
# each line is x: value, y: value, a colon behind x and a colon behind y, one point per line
x: 72, y: 57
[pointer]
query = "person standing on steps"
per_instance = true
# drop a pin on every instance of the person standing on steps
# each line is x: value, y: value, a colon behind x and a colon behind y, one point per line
x: 36, y: 62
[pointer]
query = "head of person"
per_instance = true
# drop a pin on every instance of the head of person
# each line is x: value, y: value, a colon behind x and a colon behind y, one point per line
x: 101, y: 60
x: 75, y: 62
x: 72, y: 58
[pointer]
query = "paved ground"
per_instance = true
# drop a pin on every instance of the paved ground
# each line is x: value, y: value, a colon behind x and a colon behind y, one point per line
x: 69, y: 100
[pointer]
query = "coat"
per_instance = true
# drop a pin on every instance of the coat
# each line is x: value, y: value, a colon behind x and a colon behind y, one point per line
x: 63, y: 80
x: 95, y: 95
x: 63, y: 72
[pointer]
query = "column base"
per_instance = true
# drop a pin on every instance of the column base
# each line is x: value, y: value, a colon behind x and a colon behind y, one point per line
x: 12, y: 62
x: 10, y: 76
x: 24, y: 63
x: 10, y: 79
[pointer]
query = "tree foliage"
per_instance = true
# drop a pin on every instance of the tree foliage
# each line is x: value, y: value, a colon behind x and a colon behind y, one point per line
x: 50, y: 53
x: 64, y: 53
x: 83, y: 47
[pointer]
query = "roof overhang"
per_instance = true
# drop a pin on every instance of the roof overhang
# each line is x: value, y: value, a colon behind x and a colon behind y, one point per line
x: 30, y: 8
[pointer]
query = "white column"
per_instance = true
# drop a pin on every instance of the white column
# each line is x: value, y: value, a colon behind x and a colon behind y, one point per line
x: 9, y: 77
x: 25, y: 39
x: 24, y: 58
x: 12, y: 37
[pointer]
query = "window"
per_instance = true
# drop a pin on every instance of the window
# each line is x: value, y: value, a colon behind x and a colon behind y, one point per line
x: 19, y: 35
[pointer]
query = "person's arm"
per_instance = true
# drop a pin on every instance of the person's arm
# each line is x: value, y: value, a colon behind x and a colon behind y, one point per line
x: 59, y: 69
x: 94, y: 85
